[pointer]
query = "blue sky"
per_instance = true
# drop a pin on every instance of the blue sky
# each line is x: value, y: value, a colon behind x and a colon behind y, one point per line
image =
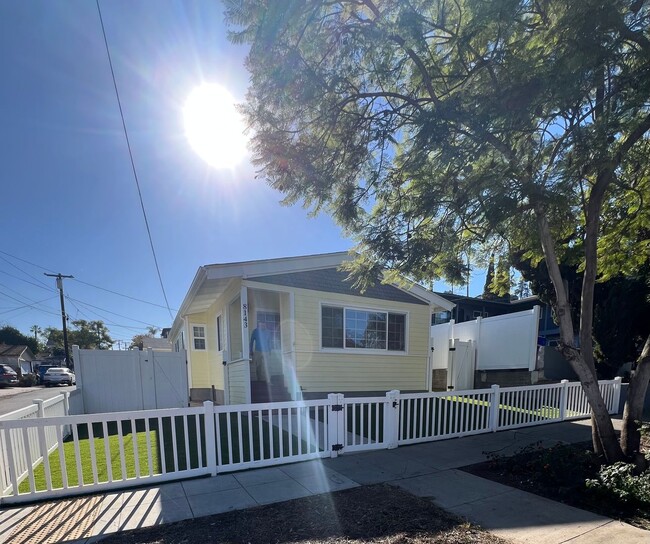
x: 69, y: 201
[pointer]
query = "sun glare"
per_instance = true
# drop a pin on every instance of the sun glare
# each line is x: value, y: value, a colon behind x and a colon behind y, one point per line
x: 213, y: 126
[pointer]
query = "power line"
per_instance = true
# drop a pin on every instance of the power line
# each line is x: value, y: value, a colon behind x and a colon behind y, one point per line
x: 108, y: 311
x: 28, y: 306
x: 135, y: 174
x: 24, y: 261
x: 43, y: 284
x: 26, y: 281
x: 104, y: 318
x: 121, y: 295
x: 40, y: 267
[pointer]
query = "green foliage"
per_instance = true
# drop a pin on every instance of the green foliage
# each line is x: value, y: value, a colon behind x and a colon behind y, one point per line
x: 429, y: 127
x: 620, y: 481
x: 13, y: 337
x: 85, y: 334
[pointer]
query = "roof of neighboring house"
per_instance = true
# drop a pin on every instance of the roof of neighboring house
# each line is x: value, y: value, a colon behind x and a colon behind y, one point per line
x: 332, y: 280
x: 15, y: 351
x: 156, y: 343
x: 316, y: 272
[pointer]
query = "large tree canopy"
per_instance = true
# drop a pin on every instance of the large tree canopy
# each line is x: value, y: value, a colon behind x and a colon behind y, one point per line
x: 432, y: 128
x: 13, y: 337
x: 85, y: 334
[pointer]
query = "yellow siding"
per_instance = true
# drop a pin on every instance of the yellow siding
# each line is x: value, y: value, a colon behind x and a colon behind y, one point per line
x: 199, y: 358
x: 238, y: 377
x: 207, y: 366
x: 352, y: 370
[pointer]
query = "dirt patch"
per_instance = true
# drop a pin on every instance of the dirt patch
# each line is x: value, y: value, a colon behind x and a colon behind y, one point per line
x: 379, y: 513
x: 559, y: 473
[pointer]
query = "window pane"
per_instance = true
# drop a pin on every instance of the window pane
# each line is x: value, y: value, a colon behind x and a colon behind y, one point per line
x: 199, y: 343
x: 332, y: 327
x: 396, y: 332
x: 219, y: 346
x: 366, y: 330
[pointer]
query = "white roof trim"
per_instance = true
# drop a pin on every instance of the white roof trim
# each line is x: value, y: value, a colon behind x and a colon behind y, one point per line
x: 286, y: 265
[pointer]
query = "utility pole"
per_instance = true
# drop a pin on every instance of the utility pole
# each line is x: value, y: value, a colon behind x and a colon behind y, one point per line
x: 59, y: 284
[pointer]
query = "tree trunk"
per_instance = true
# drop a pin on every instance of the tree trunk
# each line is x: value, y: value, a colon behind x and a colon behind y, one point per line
x: 633, y: 412
x: 586, y: 372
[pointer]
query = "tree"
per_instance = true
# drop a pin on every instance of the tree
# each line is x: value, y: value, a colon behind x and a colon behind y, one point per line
x: 427, y: 127
x: 137, y: 340
x: 85, y: 334
x: 13, y: 337
x: 36, y: 330
x: 489, y: 278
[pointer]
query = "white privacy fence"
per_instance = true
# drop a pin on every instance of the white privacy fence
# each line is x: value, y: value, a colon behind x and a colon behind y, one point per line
x: 117, y: 450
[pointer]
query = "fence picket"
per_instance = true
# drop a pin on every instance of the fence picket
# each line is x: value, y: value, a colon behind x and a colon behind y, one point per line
x: 285, y: 432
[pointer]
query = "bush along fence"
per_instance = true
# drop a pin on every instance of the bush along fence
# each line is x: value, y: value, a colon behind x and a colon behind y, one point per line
x: 63, y: 455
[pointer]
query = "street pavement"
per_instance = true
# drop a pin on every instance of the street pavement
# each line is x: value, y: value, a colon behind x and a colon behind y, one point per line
x: 14, y: 398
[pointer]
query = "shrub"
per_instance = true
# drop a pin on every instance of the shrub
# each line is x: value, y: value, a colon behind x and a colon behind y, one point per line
x: 28, y: 380
x: 618, y: 480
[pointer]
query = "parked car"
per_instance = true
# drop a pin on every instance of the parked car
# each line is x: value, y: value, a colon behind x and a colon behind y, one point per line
x: 42, y: 369
x: 57, y: 376
x: 8, y: 376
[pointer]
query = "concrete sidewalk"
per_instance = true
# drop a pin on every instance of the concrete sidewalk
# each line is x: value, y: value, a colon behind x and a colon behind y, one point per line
x: 427, y: 470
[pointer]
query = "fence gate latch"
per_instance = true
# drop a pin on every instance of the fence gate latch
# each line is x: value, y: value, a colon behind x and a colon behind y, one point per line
x: 395, y: 403
x: 337, y: 447
x: 337, y: 407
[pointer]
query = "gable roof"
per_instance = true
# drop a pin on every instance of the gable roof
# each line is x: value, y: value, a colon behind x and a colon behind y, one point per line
x: 15, y: 351
x: 332, y: 280
x: 305, y: 272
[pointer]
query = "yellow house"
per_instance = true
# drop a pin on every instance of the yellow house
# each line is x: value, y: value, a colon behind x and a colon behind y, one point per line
x: 317, y: 333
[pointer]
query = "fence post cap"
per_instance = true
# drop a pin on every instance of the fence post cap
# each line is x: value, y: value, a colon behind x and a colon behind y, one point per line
x: 618, y: 379
x: 208, y: 404
x: 564, y: 381
x: 495, y: 386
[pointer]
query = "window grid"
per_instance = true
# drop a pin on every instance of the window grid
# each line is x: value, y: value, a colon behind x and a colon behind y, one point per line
x: 198, y: 337
x: 362, y: 329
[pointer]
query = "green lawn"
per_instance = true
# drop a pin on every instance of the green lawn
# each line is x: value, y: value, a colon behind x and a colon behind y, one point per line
x: 175, y: 435
x: 101, y: 460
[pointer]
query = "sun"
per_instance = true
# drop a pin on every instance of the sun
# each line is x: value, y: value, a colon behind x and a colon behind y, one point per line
x: 214, y: 127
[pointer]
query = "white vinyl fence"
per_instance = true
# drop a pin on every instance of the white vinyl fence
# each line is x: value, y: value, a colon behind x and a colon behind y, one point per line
x: 118, y: 381
x: 29, y: 450
x: 124, y: 449
x: 488, y: 336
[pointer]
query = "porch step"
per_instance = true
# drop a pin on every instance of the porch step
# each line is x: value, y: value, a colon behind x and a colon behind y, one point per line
x: 268, y: 392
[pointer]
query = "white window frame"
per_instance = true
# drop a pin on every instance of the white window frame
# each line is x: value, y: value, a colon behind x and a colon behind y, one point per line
x: 372, y: 351
x: 204, y: 337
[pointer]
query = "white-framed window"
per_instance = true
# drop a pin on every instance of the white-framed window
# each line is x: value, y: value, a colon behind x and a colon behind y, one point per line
x: 198, y: 337
x: 353, y: 328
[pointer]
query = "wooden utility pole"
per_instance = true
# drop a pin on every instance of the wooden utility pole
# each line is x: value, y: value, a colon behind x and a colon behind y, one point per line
x: 59, y: 284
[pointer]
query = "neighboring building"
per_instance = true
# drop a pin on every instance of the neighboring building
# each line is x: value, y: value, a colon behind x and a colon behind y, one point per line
x: 156, y: 344
x: 551, y: 365
x: 325, y: 336
x: 469, y: 308
x: 20, y: 358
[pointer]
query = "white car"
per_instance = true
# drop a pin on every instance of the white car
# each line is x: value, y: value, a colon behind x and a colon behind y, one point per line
x: 57, y: 376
